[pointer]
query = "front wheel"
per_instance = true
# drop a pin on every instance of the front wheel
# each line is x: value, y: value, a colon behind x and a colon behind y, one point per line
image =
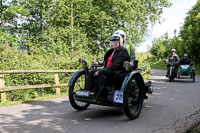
x: 193, y: 75
x: 194, y: 79
x: 133, y: 97
x: 170, y: 75
x: 77, y: 84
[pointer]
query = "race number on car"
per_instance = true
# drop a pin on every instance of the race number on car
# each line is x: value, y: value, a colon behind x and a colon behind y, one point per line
x: 118, y: 97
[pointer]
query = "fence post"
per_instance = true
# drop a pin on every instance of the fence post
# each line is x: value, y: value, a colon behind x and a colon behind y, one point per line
x: 2, y: 84
x: 57, y: 82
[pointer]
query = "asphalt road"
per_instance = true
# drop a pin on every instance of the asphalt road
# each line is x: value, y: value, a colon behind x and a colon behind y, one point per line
x: 173, y: 107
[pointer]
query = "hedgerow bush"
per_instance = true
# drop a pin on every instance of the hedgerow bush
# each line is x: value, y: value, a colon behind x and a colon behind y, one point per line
x: 15, y: 59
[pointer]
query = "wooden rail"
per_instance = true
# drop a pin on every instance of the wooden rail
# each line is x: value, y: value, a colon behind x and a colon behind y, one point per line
x: 14, y: 88
x: 35, y: 71
x: 57, y: 84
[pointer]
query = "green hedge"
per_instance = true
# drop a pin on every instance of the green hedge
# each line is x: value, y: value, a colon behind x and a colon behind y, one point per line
x: 13, y: 59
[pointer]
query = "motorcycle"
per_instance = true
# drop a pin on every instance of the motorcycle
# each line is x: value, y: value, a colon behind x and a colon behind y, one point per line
x: 173, y: 70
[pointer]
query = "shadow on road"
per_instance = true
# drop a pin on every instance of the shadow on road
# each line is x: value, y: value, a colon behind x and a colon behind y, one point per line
x: 54, y: 117
x: 38, y: 119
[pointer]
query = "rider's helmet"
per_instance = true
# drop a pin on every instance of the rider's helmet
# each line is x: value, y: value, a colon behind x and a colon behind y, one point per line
x: 173, y: 50
x: 122, y: 33
x: 185, y: 55
x: 114, y: 38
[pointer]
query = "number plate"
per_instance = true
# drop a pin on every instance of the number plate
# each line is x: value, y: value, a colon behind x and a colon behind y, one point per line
x: 118, y: 97
x: 83, y: 93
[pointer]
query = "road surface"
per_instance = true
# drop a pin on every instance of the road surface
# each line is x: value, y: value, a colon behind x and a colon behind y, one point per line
x: 173, y: 107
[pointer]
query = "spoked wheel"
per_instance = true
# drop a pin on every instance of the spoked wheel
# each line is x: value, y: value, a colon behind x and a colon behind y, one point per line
x: 78, y: 84
x: 133, y: 97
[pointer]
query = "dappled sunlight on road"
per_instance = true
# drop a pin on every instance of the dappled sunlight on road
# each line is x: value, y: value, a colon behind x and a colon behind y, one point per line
x: 30, y: 116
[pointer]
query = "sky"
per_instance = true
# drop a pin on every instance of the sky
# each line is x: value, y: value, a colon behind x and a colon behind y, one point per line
x: 172, y: 18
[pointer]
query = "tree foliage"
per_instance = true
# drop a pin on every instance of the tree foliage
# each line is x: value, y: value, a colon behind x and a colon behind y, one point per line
x: 190, y: 33
x: 187, y: 41
x: 74, y: 24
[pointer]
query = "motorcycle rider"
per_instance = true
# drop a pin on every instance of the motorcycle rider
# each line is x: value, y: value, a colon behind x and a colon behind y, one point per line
x: 128, y: 47
x: 186, y: 60
x: 113, y: 63
x: 170, y: 58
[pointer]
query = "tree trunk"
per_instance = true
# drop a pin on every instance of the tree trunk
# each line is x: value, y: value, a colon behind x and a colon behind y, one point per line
x: 72, y: 22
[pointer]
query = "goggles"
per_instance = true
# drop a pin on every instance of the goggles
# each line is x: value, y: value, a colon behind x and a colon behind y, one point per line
x: 114, y: 43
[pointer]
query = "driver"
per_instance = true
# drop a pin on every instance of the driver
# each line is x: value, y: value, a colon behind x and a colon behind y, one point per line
x: 186, y: 61
x: 113, y: 59
x: 170, y: 58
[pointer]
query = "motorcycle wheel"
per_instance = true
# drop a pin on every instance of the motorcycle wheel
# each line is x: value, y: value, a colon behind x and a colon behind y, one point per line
x: 170, y: 75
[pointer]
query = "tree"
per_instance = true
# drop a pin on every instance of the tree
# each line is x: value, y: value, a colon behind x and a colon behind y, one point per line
x: 65, y: 25
x: 190, y: 33
x: 90, y: 22
x: 9, y: 16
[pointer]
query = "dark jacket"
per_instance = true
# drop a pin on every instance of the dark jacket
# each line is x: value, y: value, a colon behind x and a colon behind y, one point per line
x: 173, y: 57
x: 118, y: 58
x: 186, y: 62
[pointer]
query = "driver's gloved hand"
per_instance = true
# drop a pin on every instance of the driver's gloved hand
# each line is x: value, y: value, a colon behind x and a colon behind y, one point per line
x: 131, y: 64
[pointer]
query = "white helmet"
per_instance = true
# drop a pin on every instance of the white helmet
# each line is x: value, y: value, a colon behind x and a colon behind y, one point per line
x: 116, y: 37
x: 122, y: 33
x: 173, y: 50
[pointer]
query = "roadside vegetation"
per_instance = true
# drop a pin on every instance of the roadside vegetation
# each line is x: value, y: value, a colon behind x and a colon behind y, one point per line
x: 195, y: 129
x: 186, y: 41
x: 143, y: 59
x: 45, y: 97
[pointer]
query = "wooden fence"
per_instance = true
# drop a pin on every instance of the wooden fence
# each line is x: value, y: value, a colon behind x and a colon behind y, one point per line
x: 57, y: 84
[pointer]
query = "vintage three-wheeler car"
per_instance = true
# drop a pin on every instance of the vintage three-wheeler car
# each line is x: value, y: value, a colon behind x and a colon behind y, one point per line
x: 130, y: 94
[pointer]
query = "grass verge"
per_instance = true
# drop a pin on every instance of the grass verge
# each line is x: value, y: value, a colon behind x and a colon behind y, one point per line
x: 195, y: 130
x: 8, y: 103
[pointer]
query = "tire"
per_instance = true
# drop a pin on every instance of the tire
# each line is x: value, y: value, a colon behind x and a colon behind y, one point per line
x: 170, y: 75
x: 194, y: 79
x: 133, y: 97
x: 193, y: 75
x: 77, y: 84
x: 178, y: 75
x: 170, y: 79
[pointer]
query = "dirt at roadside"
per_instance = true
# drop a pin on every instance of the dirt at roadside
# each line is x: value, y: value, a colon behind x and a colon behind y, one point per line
x: 195, y: 129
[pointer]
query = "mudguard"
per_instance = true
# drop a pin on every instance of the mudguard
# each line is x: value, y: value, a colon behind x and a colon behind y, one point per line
x: 128, y: 77
x: 74, y: 76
